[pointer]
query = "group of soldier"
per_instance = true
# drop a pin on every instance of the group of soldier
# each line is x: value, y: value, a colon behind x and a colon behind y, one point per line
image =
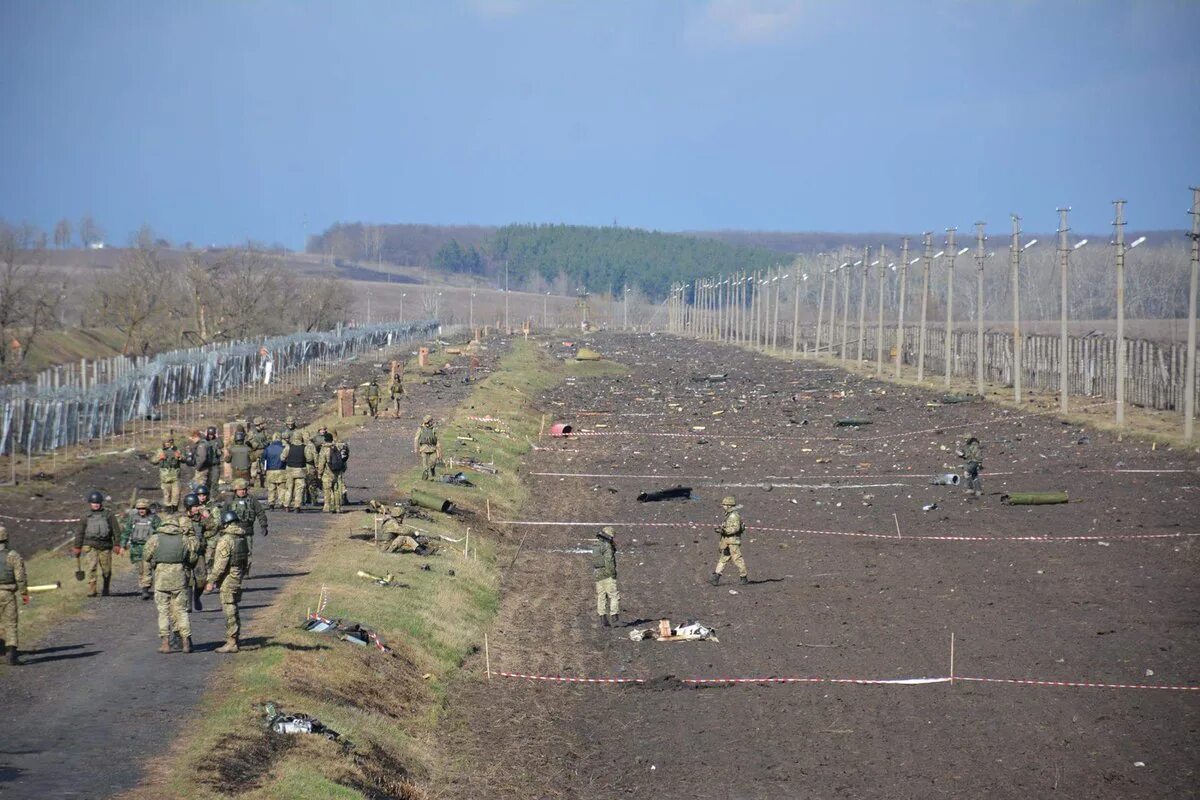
x: 730, y: 531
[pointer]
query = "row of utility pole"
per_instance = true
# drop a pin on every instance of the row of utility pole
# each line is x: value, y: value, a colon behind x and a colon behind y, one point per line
x: 744, y: 308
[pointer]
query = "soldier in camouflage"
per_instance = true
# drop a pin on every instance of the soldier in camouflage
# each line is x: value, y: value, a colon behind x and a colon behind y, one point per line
x: 170, y: 553
x: 312, y: 480
x: 96, y: 540
x: 201, y: 458
x: 331, y: 466
x: 396, y: 392
x: 604, y: 569
x: 250, y: 514
x: 276, y: 473
x: 168, y: 460
x: 137, y: 531
x: 371, y: 393
x: 297, y: 456
x: 392, y: 535
x: 426, y: 444
x: 230, y: 565
x: 217, y: 450
x: 203, y: 523
x: 258, y: 441
x: 12, y: 585
x: 731, y: 530
x: 972, y: 453
x: 238, y: 456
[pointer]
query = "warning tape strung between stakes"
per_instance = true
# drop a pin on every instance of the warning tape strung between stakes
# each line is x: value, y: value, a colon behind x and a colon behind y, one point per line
x: 34, y: 519
x: 854, y: 681
x: 848, y: 440
x: 1039, y: 538
x: 836, y: 477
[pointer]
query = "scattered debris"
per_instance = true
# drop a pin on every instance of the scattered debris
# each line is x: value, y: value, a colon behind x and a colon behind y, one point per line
x: 457, y: 479
x: 946, y: 479
x: 930, y: 507
x: 688, y: 632
x: 279, y: 722
x: 851, y: 423
x: 587, y: 354
x: 676, y: 493
x: 386, y: 580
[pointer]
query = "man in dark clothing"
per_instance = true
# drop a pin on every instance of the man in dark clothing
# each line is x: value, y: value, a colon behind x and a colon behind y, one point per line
x: 96, y: 538
x: 276, y: 473
x: 604, y: 567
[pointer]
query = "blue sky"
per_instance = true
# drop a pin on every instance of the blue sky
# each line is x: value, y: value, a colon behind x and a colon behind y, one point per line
x: 221, y: 121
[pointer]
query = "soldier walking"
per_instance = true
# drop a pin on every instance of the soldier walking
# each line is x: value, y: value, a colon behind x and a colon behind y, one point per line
x: 604, y: 567
x: 731, y: 531
x: 972, y: 453
x: 250, y: 514
x: 426, y: 444
x: 371, y: 393
x: 139, y: 526
x: 275, y: 471
x: 12, y: 584
x: 201, y: 459
x: 217, y: 455
x: 312, y: 480
x: 229, y: 568
x: 170, y: 553
x: 202, y: 523
x: 396, y: 393
x: 258, y: 441
x: 96, y: 540
x: 331, y: 466
x: 168, y: 460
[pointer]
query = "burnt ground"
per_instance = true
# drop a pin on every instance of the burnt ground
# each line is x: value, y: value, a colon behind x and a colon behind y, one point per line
x: 93, y: 701
x: 1116, y: 610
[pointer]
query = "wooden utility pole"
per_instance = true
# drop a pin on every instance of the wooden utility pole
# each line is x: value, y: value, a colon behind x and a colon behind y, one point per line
x: 846, y: 268
x: 980, y: 257
x: 1064, y: 257
x: 833, y: 302
x: 879, y: 326
x: 1119, y: 224
x: 926, y: 263
x: 796, y: 308
x: 952, y: 252
x: 900, y: 312
x: 1014, y: 260
x: 822, y: 266
x: 862, y: 301
x: 1189, y: 402
x: 775, y: 319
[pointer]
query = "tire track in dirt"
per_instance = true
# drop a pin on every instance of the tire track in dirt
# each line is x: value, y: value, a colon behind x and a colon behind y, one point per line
x: 94, y: 702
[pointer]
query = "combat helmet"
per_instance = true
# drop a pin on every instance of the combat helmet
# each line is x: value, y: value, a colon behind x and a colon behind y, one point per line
x: 729, y: 501
x: 142, y: 505
x: 96, y: 497
x: 240, y: 483
x: 228, y: 518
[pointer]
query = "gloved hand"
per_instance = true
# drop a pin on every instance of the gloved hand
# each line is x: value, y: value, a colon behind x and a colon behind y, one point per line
x: 76, y: 551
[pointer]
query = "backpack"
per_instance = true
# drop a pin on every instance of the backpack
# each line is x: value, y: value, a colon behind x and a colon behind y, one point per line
x: 337, y: 460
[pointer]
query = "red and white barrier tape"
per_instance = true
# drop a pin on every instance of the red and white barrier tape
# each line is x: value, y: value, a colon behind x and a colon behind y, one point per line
x: 854, y: 681
x: 34, y: 519
x: 1042, y: 538
x: 835, y: 477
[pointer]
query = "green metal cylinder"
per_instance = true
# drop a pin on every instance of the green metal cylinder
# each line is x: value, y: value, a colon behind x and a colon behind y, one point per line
x: 432, y: 501
x: 1034, y: 498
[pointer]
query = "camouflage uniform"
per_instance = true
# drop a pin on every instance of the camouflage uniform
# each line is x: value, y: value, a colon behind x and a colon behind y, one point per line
x: 258, y: 441
x: 277, y: 488
x: 251, y: 515
x: 972, y: 452
x: 297, y: 456
x: 217, y: 449
x: 203, y: 523
x: 230, y: 565
x: 137, y: 531
x: 396, y: 392
x: 312, y: 480
x: 426, y: 444
x: 731, y: 531
x: 168, y: 460
x: 604, y: 568
x: 371, y: 393
x: 170, y: 552
x: 238, y: 457
x: 12, y: 585
x: 94, y: 541
x: 329, y: 479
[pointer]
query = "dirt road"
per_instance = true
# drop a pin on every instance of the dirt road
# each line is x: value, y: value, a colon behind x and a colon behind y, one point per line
x: 826, y: 601
x: 94, y: 701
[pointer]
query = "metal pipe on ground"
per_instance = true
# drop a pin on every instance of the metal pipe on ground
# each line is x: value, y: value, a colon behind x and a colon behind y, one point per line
x: 1034, y: 498
x: 432, y: 502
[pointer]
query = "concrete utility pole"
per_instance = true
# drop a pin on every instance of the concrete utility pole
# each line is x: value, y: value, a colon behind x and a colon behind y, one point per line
x: 926, y: 263
x: 822, y: 266
x: 834, y: 276
x: 1189, y: 402
x: 506, y: 328
x: 545, y: 310
x: 879, y: 327
x: 1014, y: 260
x: 625, y: 323
x: 1119, y: 224
x: 980, y: 257
x: 1064, y: 257
x: 775, y: 320
x: 862, y: 301
x: 796, y: 308
x: 900, y: 313
x: 471, y: 312
x: 952, y: 251
x: 846, y: 307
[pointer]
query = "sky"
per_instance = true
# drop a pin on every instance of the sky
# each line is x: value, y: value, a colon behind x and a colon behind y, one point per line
x: 217, y: 122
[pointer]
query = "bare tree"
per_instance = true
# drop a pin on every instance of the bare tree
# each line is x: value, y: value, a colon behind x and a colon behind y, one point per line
x: 323, y: 304
x: 136, y: 299
x: 89, y: 232
x: 62, y: 233
x: 29, y: 302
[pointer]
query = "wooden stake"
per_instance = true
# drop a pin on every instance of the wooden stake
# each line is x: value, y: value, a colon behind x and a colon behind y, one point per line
x: 897, y: 521
x: 951, y: 657
x: 487, y: 657
x: 488, y: 502
x: 467, y: 546
x: 542, y: 427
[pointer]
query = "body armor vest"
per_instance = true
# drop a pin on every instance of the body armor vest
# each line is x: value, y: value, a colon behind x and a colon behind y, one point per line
x: 7, y: 573
x: 141, y: 529
x: 170, y: 460
x: 295, y: 456
x: 427, y: 437
x: 239, y: 555
x: 170, y: 549
x: 97, y: 533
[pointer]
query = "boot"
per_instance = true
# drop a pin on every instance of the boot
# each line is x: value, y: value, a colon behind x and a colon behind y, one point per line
x: 165, y: 647
x: 187, y: 644
x: 91, y: 589
x: 613, y: 620
x: 715, y: 580
x: 744, y: 580
x: 11, y: 655
x: 230, y: 646
x: 145, y: 593
x: 104, y: 590
x: 604, y: 621
x: 196, y: 593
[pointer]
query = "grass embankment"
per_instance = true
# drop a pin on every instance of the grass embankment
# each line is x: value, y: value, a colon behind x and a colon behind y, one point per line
x: 386, y: 704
